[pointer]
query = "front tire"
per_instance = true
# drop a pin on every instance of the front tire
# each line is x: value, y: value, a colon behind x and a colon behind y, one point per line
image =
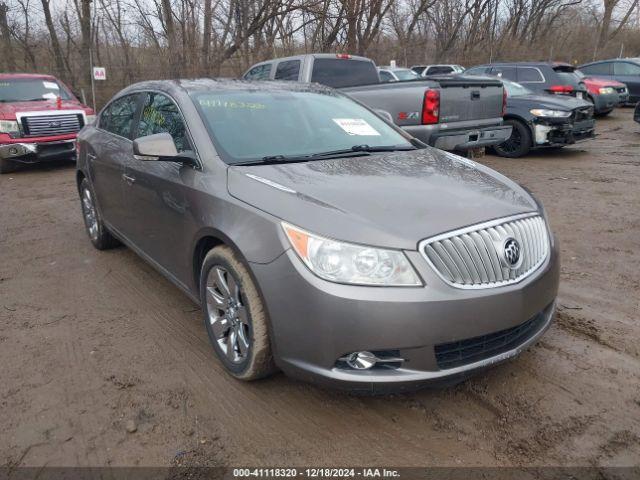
x: 235, y: 316
x: 518, y: 144
x: 100, y: 237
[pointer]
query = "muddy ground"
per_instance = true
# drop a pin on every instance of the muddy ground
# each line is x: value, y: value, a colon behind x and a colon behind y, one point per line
x: 104, y: 362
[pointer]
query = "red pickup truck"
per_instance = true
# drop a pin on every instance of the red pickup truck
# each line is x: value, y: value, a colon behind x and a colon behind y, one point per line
x: 39, y: 119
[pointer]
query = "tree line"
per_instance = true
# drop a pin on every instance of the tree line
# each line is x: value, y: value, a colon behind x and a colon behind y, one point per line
x: 146, y: 39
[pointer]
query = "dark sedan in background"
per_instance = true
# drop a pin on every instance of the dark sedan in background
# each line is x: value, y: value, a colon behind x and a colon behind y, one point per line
x: 540, y: 120
x: 317, y: 237
x: 624, y: 70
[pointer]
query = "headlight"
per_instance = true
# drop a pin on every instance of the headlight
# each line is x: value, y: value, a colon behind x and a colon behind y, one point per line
x: 348, y: 263
x: 9, y: 126
x: 542, y: 112
x: 90, y: 119
x: 606, y: 90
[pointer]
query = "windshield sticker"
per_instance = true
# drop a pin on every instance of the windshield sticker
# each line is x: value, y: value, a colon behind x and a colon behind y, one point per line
x: 50, y: 96
x: 51, y: 85
x: 356, y: 126
x: 212, y: 103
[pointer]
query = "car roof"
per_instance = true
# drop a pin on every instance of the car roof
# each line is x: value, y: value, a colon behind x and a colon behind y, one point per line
x: 35, y: 76
x: 222, y: 84
x: 628, y: 59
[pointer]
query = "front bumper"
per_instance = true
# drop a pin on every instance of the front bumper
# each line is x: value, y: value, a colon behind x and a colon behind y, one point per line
x: 605, y: 102
x: 33, y: 152
x: 558, y: 133
x: 460, y: 139
x: 315, y: 323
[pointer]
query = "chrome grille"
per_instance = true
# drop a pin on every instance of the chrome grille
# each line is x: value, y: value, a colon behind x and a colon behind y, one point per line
x: 48, y: 125
x: 473, y: 257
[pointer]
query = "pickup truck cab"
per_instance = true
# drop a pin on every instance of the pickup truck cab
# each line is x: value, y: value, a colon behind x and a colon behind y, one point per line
x: 447, y: 112
x: 39, y: 120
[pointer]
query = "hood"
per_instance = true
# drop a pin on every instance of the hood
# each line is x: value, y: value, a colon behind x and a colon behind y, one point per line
x: 392, y: 200
x: 601, y: 82
x: 557, y: 102
x: 8, y: 110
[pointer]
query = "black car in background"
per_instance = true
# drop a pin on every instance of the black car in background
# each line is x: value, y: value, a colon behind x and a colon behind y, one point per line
x: 636, y: 113
x: 542, y: 120
x: 625, y: 70
x: 540, y: 77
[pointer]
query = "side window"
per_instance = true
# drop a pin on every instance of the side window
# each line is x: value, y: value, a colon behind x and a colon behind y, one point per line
x: 597, y: 69
x: 288, y: 70
x: 476, y: 71
x: 260, y: 72
x: 386, y: 76
x: 504, y: 72
x: 161, y: 115
x: 529, y: 74
x: 626, y: 68
x: 118, y: 117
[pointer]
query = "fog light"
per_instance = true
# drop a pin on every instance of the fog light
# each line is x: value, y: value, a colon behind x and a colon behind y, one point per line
x: 13, y: 151
x: 361, y: 360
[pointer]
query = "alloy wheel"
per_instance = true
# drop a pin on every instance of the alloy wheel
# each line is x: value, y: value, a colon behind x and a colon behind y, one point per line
x: 227, y: 314
x: 89, y: 212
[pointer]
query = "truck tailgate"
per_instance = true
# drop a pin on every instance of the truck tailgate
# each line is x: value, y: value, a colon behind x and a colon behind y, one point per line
x: 469, y: 99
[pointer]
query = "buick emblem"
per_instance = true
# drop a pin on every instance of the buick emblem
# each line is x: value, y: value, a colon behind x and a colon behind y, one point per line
x: 511, y: 253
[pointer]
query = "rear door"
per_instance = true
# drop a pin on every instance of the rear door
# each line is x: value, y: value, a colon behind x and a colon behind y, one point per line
x: 160, y: 218
x: 107, y: 154
x: 629, y: 73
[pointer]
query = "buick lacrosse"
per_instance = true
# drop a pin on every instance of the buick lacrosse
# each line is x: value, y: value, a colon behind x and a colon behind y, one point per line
x: 318, y: 238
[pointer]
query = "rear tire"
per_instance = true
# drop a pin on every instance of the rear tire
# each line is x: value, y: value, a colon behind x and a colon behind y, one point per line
x: 100, y: 237
x: 7, y: 166
x: 235, y: 316
x: 518, y: 144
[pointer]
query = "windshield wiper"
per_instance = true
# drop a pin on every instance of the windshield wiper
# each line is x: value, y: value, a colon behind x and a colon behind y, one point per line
x: 356, y: 150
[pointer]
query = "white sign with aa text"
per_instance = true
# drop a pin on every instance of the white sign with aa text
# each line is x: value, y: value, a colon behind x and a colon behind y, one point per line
x: 99, y: 73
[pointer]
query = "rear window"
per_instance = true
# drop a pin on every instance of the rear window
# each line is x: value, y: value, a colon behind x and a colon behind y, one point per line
x: 569, y: 78
x: 529, y: 74
x: 439, y: 69
x: 288, y: 70
x: 338, y: 72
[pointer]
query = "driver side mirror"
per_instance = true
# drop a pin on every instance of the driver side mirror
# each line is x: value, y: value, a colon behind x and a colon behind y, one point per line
x: 160, y: 147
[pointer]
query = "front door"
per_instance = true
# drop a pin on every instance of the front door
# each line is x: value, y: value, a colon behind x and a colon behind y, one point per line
x: 108, y: 150
x: 160, y: 217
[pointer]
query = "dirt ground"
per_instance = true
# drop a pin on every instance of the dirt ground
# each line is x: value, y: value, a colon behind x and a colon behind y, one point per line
x: 104, y: 362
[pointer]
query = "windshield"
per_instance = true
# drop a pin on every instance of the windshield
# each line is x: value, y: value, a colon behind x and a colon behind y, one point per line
x: 30, y: 89
x: 515, y: 89
x: 406, y: 74
x: 251, y: 125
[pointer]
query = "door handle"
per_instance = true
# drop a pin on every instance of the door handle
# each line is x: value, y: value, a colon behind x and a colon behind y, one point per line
x: 129, y: 179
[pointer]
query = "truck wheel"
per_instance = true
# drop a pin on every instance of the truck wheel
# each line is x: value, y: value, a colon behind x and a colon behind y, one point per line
x: 7, y: 166
x: 100, y: 237
x: 518, y: 144
x: 235, y: 316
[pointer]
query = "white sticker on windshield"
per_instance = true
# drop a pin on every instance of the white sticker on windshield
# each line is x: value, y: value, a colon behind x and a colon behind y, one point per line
x: 356, y: 126
x: 51, y: 85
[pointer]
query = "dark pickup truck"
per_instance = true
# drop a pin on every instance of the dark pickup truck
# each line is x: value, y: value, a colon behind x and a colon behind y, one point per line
x: 447, y: 112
